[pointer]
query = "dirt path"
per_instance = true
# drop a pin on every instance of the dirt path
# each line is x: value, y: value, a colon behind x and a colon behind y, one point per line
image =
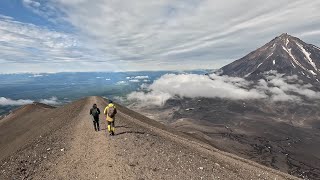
x: 140, y: 151
x: 87, y: 154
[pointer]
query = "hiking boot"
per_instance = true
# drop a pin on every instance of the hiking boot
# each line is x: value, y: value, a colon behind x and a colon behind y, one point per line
x: 112, y: 133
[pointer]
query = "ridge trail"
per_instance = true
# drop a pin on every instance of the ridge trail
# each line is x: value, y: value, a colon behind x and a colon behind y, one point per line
x: 141, y: 149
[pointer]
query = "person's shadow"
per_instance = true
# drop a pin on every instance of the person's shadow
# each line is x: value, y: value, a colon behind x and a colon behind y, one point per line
x: 124, y: 132
x: 129, y: 132
x: 122, y: 126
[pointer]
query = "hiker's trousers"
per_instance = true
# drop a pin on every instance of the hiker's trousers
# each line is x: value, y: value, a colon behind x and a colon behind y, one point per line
x: 111, y: 127
x: 96, y: 124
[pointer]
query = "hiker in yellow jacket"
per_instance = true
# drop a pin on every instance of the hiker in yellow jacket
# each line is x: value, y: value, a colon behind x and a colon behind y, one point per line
x: 110, y: 111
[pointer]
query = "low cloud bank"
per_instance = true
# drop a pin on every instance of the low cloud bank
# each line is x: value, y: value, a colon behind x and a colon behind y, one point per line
x: 138, y: 77
x: 50, y: 101
x: 134, y: 80
x: 276, y: 87
x: 10, y: 102
x: 150, y: 98
x: 141, y: 77
x: 121, y: 82
x: 36, y: 75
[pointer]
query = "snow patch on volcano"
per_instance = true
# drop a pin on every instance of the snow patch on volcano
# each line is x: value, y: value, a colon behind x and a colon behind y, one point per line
x: 307, y: 55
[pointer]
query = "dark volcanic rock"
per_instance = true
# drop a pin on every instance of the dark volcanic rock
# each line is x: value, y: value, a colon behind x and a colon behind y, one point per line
x: 281, y: 135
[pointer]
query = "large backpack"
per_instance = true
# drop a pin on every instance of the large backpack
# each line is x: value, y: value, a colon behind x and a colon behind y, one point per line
x: 112, y: 112
x: 95, y: 112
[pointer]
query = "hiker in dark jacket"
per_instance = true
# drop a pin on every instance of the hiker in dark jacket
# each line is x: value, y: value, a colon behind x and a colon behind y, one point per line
x: 95, y: 111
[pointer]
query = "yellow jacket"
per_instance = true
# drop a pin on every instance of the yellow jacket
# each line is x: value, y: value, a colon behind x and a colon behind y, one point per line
x: 106, y: 112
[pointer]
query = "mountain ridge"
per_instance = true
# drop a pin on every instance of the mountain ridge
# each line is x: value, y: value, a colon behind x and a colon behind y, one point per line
x: 285, y: 54
x: 142, y: 148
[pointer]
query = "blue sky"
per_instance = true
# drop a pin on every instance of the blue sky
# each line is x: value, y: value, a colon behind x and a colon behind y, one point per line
x: 104, y: 35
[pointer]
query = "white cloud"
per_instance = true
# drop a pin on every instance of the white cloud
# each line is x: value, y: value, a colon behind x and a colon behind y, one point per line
x: 31, y: 3
x: 171, y: 34
x: 43, y: 50
x: 311, y: 33
x: 150, y: 35
x: 36, y: 75
x: 141, y: 77
x: 144, y: 86
x: 5, y: 17
x: 151, y: 98
x: 137, y: 78
x: 121, y: 82
x: 22, y: 39
x: 9, y: 102
x: 193, y: 85
x: 50, y: 101
x: 118, y: 99
x: 169, y: 86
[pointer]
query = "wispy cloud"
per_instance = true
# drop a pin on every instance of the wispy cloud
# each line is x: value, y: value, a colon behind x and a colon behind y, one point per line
x: 31, y: 3
x: 144, y: 34
x: 175, y: 34
x: 42, y: 49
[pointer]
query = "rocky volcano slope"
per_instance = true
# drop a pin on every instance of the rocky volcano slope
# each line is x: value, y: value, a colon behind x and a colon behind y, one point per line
x: 141, y: 149
x: 285, y: 54
x: 277, y: 131
x: 23, y: 125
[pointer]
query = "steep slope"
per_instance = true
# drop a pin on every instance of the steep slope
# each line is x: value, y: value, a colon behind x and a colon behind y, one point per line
x: 285, y: 54
x: 30, y: 122
x: 141, y: 149
x: 283, y: 136
x: 22, y: 125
